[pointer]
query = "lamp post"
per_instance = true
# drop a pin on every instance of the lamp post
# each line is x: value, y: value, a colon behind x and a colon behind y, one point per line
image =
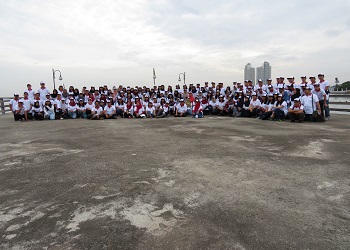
x: 154, y: 77
x: 184, y: 74
x: 54, y: 77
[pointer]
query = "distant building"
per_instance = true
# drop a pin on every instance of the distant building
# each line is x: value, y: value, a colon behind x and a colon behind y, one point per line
x: 263, y: 72
x: 249, y: 73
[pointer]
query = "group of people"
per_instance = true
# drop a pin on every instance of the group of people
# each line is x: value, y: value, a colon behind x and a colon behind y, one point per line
x: 302, y: 101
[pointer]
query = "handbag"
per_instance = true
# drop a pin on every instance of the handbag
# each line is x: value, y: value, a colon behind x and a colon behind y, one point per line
x: 315, y: 114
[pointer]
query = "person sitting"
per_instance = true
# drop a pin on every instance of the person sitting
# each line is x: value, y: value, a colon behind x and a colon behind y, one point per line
x: 151, y: 111
x: 296, y: 111
x: 138, y: 109
x: 37, y: 111
x: 220, y: 106
x: 270, y: 105
x: 96, y: 112
x: 110, y: 111
x: 197, y: 111
x: 163, y: 110
x: 120, y: 105
x: 280, y: 110
x: 81, y: 109
x: 72, y: 108
x: 21, y: 113
x: 253, y: 106
x: 49, y: 110
x: 129, y: 109
x: 181, y: 109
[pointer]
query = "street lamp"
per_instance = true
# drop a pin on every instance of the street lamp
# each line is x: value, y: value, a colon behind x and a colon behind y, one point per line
x: 53, y: 76
x: 154, y: 77
x: 184, y: 74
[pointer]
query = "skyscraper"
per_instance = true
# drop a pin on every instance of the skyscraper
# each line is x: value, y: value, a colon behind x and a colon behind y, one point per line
x: 263, y: 72
x: 249, y: 73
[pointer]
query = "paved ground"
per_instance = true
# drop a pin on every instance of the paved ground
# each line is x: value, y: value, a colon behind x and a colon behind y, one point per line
x: 212, y: 183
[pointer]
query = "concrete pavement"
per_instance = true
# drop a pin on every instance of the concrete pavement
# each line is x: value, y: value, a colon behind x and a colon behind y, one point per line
x: 175, y: 183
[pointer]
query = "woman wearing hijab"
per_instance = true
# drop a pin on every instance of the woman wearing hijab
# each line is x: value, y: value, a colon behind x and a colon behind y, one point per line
x: 129, y: 109
x: 49, y: 110
x: 37, y: 111
x: 72, y: 108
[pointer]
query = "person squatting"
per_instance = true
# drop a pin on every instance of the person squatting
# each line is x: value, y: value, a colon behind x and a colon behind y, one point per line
x: 272, y: 101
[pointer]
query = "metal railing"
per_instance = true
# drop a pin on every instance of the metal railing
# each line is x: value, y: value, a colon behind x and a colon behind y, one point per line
x: 4, y: 104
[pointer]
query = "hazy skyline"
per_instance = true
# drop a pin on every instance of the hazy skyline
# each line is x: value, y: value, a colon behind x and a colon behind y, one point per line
x: 119, y: 42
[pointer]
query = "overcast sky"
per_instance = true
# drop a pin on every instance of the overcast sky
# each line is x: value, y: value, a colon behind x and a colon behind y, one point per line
x: 120, y: 42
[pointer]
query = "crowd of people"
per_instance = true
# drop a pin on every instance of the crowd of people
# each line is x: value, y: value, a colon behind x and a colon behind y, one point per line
x: 302, y: 101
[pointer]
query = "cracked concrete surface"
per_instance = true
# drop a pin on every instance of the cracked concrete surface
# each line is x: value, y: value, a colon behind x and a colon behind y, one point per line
x: 212, y: 183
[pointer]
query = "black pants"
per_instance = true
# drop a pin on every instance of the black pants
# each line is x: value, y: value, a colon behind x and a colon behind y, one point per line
x: 38, y: 116
x: 265, y: 115
x: 19, y: 117
x: 299, y: 117
x: 309, y: 118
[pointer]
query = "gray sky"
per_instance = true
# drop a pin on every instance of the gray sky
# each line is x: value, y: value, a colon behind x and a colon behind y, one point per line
x: 120, y: 42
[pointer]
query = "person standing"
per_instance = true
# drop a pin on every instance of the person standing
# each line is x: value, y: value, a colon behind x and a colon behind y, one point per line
x: 30, y: 91
x: 325, y: 86
x: 43, y: 91
x: 13, y: 104
x: 321, y: 95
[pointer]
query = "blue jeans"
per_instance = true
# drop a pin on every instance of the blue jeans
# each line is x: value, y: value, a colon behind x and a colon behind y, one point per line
x: 72, y: 114
x: 50, y: 115
x: 150, y: 114
x: 279, y: 114
x: 200, y: 115
x: 326, y: 109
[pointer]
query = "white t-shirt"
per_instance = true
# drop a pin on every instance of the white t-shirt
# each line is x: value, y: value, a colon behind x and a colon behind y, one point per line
x: 181, y: 109
x: 306, y: 101
x: 255, y: 103
x: 43, y: 93
x: 97, y: 111
x: 89, y: 106
x: 301, y: 107
x: 27, y: 103
x: 72, y: 108
x: 150, y: 109
x: 285, y: 106
x: 110, y: 110
x: 80, y: 108
x: 320, y: 94
x: 14, y: 104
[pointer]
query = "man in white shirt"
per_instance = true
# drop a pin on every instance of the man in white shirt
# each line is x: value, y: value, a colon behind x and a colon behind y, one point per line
x: 296, y: 111
x: 43, y: 91
x: 181, y: 109
x: 14, y: 103
x: 96, y: 112
x: 321, y: 95
x: 30, y: 91
x: 110, y: 111
x: 325, y: 86
x: 311, y: 104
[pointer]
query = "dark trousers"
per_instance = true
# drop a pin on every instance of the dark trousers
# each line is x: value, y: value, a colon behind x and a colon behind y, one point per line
x: 299, y: 117
x: 19, y: 117
x: 265, y: 115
